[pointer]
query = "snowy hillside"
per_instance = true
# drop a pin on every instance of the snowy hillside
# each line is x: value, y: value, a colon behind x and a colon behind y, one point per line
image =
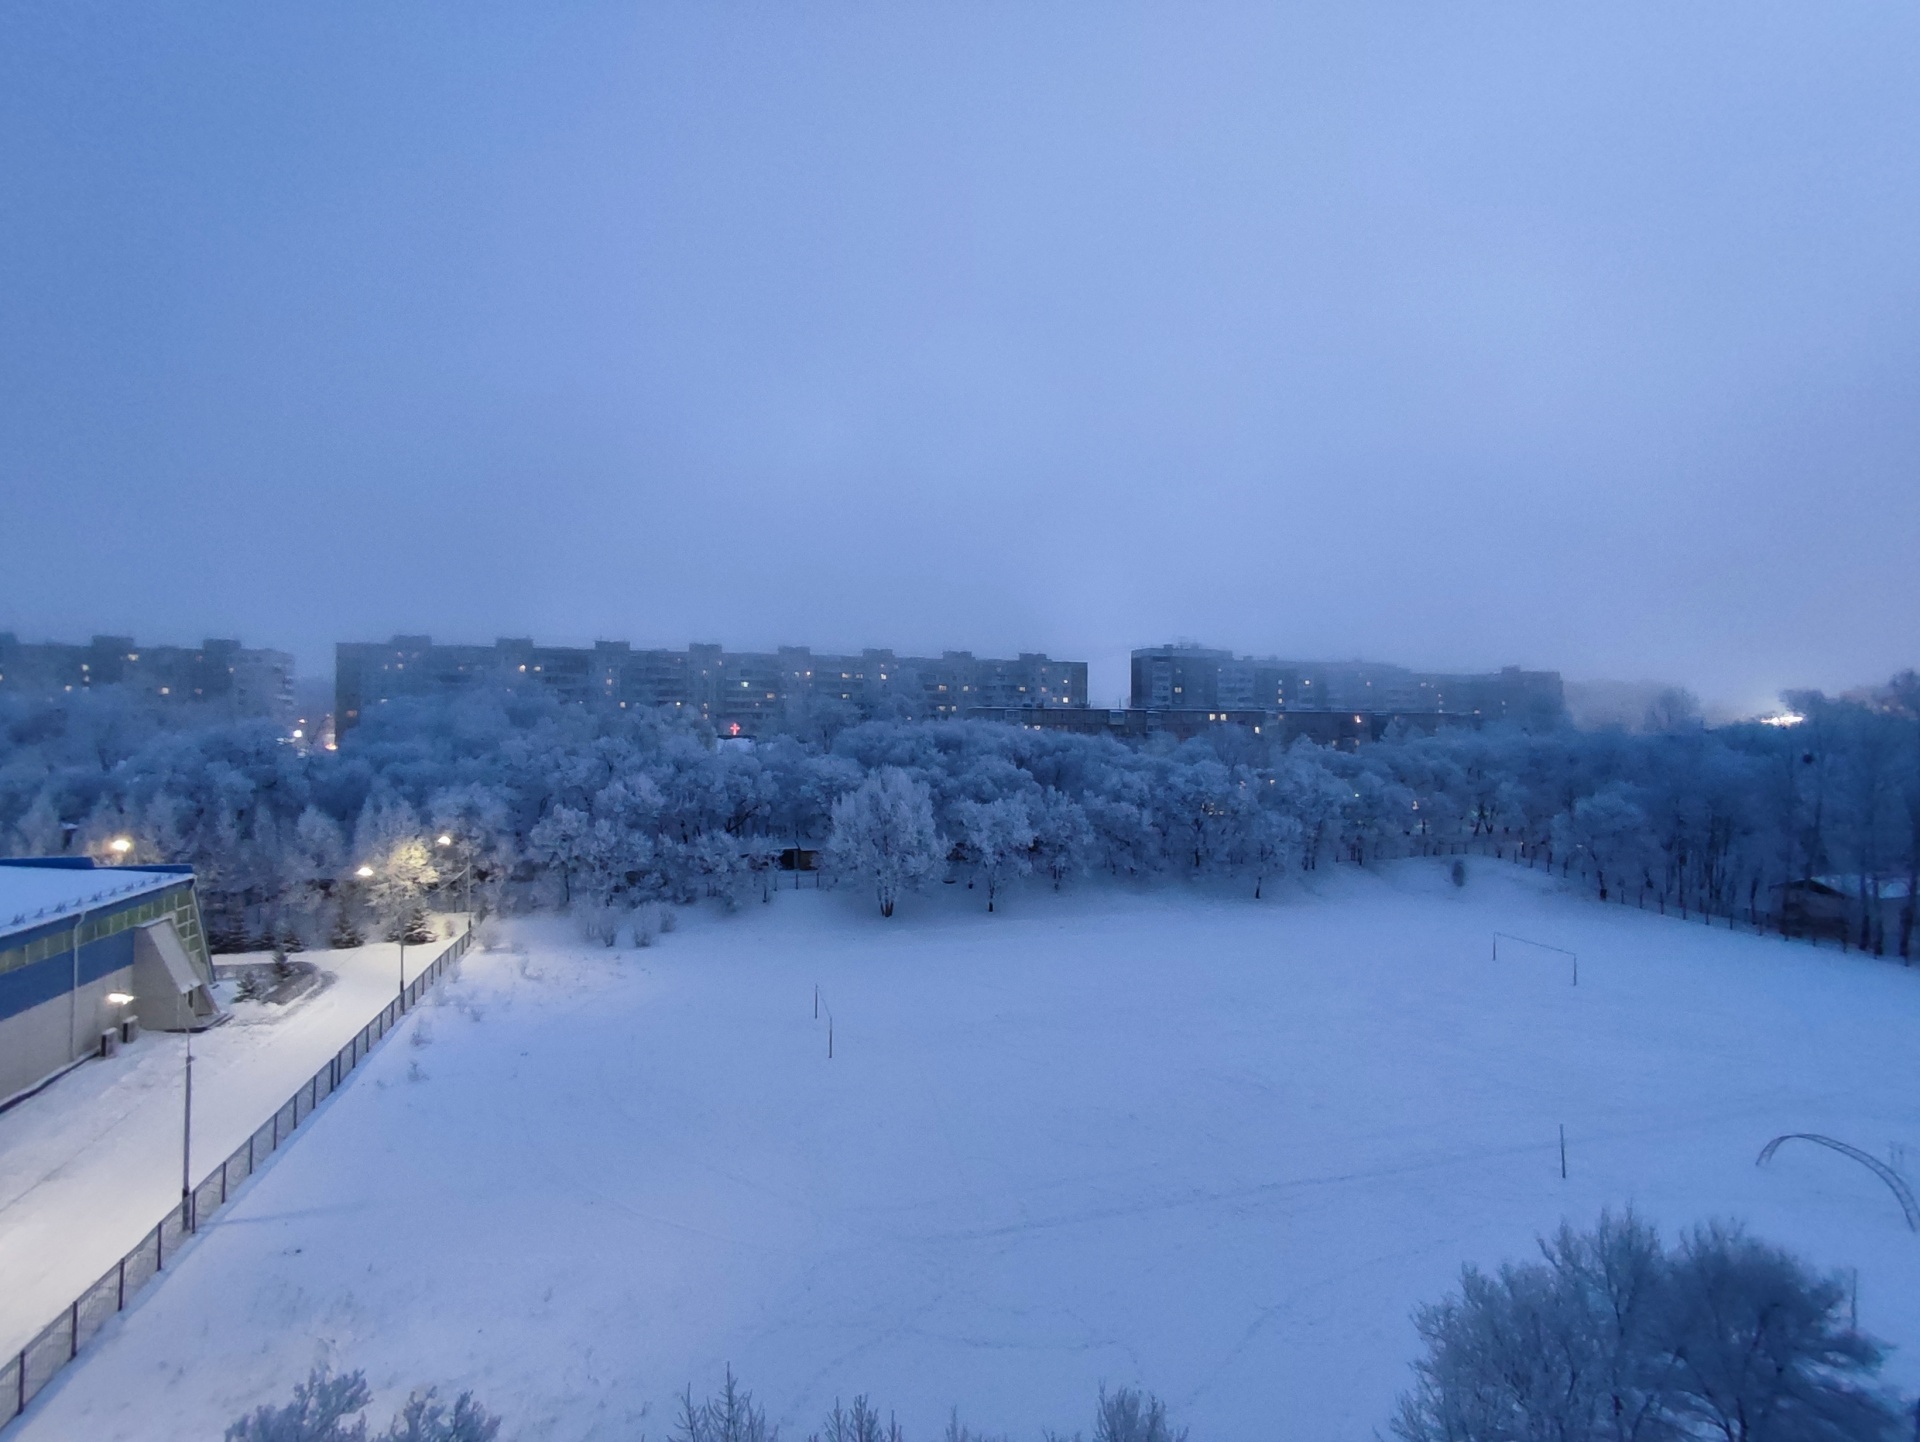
x: 1212, y: 1146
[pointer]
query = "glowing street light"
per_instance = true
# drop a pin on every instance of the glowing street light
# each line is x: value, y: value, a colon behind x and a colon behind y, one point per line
x: 365, y: 873
x: 445, y: 840
x: 120, y: 845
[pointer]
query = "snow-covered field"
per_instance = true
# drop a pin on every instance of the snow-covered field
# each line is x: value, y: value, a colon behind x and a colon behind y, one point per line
x: 1215, y: 1147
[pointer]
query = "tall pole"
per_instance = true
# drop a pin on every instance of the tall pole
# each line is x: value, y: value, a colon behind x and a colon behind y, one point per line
x: 186, y: 1146
x: 403, y: 966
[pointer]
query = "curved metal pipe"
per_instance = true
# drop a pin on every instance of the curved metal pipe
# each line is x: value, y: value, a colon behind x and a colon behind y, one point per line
x: 1873, y: 1164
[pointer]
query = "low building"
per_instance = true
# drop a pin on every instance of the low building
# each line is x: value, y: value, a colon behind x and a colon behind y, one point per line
x: 85, y: 948
x: 1840, y: 907
x: 220, y: 675
x: 1346, y: 730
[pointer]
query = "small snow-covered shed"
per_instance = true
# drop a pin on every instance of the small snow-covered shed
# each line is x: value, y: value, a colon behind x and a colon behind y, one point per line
x: 84, y: 948
x: 1835, y: 906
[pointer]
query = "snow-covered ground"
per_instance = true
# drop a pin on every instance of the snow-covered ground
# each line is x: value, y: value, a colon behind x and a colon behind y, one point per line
x: 88, y: 1166
x: 1216, y: 1147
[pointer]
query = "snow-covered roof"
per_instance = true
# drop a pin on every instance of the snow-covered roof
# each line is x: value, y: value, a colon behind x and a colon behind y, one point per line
x: 1888, y: 890
x: 32, y: 896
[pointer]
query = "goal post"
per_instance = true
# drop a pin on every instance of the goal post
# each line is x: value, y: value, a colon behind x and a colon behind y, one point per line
x: 1573, y: 958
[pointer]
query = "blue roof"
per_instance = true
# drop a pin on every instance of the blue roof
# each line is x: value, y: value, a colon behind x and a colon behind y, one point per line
x: 33, y: 893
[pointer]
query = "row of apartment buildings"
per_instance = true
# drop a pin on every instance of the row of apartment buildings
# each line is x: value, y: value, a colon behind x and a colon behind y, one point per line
x: 743, y: 691
x: 221, y: 675
x: 1180, y: 688
x: 1199, y: 679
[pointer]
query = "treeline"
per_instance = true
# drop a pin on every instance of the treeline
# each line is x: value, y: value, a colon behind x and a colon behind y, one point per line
x: 514, y: 802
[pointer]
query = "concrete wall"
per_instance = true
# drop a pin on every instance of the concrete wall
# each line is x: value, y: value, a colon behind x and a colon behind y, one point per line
x: 66, y: 1026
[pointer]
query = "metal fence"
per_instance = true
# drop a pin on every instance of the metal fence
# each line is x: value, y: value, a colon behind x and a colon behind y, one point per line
x: 25, y: 1374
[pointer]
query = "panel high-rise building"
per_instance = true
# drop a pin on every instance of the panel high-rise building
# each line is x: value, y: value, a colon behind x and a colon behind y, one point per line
x: 750, y: 690
x: 1196, y: 678
x: 221, y: 675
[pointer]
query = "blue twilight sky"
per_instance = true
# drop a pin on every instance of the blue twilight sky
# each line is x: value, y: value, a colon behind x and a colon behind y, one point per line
x: 1457, y: 334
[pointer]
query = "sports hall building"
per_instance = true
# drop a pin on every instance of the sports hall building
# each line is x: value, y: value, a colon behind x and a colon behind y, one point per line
x: 87, y: 954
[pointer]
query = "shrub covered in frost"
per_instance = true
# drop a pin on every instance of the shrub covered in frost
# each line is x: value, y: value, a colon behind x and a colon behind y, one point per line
x: 327, y: 1408
x: 729, y: 1417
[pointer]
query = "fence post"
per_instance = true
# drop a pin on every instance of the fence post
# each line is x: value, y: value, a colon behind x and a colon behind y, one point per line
x: 73, y: 1330
x: 120, y: 1292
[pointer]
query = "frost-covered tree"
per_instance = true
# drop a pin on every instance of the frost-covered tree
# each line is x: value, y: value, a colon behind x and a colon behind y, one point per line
x: 1273, y: 845
x: 1062, y: 836
x: 883, y: 833
x: 476, y: 818
x: 312, y: 865
x: 390, y: 840
x: 1609, y: 831
x: 1761, y: 1348
x: 1611, y: 1338
x: 998, y: 836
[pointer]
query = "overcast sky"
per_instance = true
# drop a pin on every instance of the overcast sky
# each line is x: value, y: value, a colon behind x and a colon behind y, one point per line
x: 1457, y: 335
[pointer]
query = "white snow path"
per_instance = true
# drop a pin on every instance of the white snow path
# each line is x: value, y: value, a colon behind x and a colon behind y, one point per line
x: 89, y: 1166
x: 1210, y: 1146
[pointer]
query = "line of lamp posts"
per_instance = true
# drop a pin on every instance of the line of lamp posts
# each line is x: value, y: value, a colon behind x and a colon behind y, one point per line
x: 361, y: 873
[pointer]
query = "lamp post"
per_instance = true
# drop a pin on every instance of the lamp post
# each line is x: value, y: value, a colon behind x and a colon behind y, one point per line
x: 445, y: 840
x: 120, y: 846
x: 365, y: 873
x: 186, y: 1146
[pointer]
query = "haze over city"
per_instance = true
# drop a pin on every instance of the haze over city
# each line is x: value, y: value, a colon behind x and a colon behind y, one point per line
x: 1178, y: 722
x: 1457, y: 338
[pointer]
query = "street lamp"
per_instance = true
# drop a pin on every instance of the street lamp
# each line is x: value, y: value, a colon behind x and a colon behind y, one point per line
x: 444, y: 840
x: 120, y: 846
x: 365, y: 873
x: 186, y: 1145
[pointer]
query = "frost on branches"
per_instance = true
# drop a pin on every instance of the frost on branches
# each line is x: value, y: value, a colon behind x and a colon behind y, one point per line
x: 883, y: 832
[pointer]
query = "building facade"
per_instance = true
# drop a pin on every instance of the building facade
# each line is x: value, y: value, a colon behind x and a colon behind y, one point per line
x: 743, y: 691
x: 223, y: 675
x: 1198, y: 679
x: 84, y: 948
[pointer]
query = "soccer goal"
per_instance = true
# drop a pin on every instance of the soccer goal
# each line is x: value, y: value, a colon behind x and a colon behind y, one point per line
x: 1880, y: 1169
x: 1527, y: 945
